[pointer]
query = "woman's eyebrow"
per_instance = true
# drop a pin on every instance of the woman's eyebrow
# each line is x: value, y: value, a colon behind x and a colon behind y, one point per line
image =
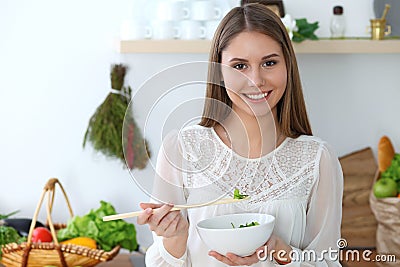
x: 245, y: 60
x: 237, y: 59
x: 269, y: 56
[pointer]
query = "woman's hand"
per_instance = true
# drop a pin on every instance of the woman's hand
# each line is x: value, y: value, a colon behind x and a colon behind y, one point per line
x: 235, y: 260
x: 279, y: 249
x: 162, y: 220
x: 166, y: 223
x: 274, y: 244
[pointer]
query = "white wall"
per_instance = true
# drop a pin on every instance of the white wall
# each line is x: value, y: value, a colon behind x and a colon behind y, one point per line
x: 54, y: 72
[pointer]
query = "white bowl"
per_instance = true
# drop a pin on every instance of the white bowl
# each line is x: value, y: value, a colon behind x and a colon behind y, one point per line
x: 219, y: 235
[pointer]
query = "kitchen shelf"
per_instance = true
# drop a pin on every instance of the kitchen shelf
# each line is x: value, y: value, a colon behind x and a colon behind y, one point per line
x: 347, y: 46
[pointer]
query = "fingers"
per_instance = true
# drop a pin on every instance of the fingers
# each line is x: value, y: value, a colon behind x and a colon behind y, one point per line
x: 159, y: 214
x: 167, y: 226
x: 248, y: 260
x: 221, y: 258
x: 172, y: 228
x: 148, y: 210
x: 161, y: 220
x: 235, y: 260
x: 144, y: 216
x: 272, y: 241
x: 144, y: 205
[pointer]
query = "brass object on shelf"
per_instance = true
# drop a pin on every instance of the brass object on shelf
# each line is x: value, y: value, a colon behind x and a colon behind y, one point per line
x: 379, y: 29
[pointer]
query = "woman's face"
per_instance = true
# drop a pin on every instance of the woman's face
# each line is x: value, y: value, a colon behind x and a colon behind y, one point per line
x: 254, y: 73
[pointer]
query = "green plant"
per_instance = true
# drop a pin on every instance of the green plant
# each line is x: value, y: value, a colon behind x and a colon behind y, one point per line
x: 305, y: 30
x: 105, y: 130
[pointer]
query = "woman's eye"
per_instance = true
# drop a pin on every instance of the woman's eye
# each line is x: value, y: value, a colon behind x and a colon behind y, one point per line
x: 239, y: 66
x: 269, y: 63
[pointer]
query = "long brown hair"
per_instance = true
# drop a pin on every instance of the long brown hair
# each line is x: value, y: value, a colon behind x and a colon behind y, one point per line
x: 291, y: 109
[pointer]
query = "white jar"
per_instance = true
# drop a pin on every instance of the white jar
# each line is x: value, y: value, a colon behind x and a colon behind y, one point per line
x: 338, y: 23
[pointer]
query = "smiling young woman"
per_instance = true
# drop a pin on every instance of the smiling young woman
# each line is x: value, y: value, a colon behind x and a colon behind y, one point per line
x: 255, y: 136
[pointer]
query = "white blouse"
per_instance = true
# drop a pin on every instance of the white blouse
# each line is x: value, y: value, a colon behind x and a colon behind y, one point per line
x: 300, y: 183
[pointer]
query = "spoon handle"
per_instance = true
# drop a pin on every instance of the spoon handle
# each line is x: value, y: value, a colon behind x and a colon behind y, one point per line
x: 177, y: 207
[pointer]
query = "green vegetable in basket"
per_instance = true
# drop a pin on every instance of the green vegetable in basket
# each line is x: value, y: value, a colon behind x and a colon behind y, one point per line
x: 9, y: 235
x: 107, y: 234
x: 393, y: 171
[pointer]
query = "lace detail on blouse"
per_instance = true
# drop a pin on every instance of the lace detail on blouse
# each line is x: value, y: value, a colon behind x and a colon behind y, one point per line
x: 286, y: 173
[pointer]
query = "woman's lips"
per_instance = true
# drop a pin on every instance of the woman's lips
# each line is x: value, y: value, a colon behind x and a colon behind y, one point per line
x: 259, y: 97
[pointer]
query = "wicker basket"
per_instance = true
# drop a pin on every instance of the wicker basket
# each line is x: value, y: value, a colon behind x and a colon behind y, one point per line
x: 55, y: 254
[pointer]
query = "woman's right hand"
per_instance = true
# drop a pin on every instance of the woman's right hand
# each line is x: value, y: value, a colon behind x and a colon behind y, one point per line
x: 163, y: 221
x: 171, y: 225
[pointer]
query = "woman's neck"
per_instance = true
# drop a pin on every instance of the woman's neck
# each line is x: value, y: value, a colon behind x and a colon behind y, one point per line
x: 251, y: 136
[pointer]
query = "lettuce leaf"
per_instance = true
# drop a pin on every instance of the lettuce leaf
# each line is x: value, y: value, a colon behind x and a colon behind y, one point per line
x: 107, y: 234
x: 9, y: 235
x: 393, y: 171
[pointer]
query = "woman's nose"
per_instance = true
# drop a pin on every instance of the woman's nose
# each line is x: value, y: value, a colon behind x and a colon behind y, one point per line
x: 255, y: 78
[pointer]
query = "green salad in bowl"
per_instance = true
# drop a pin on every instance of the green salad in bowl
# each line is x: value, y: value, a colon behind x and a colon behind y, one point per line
x: 221, y: 233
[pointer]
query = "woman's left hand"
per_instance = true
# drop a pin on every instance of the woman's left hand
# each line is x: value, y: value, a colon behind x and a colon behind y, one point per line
x: 235, y: 260
x: 274, y: 243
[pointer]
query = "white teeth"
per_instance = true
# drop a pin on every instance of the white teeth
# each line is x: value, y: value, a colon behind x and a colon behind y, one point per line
x: 257, y: 97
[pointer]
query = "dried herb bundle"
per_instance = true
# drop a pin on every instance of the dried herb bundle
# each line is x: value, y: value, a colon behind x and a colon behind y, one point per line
x: 106, y: 130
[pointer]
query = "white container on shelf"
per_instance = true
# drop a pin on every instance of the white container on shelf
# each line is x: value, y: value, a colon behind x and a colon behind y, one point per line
x: 164, y: 30
x: 172, y: 10
x: 204, y: 10
x: 135, y: 30
x: 192, y: 30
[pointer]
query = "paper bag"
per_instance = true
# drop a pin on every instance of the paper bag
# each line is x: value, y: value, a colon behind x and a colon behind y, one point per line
x: 387, y: 214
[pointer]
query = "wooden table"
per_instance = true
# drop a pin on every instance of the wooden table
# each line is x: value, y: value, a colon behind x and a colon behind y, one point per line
x: 121, y: 260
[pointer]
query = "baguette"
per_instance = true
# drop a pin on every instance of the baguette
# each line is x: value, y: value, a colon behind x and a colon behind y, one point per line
x: 385, y: 153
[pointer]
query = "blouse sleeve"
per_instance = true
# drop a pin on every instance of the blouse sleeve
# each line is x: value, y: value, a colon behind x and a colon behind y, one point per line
x: 168, y: 187
x: 324, y: 215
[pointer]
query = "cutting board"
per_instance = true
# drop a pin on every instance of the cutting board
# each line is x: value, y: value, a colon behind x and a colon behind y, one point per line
x: 358, y: 222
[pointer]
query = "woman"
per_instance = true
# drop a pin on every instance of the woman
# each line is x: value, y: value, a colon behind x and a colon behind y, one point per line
x: 262, y: 127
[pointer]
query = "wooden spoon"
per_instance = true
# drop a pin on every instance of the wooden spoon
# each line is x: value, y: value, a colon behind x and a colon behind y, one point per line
x: 176, y: 207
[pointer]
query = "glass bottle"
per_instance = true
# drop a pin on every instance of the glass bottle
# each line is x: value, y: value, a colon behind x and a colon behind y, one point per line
x: 338, y: 23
